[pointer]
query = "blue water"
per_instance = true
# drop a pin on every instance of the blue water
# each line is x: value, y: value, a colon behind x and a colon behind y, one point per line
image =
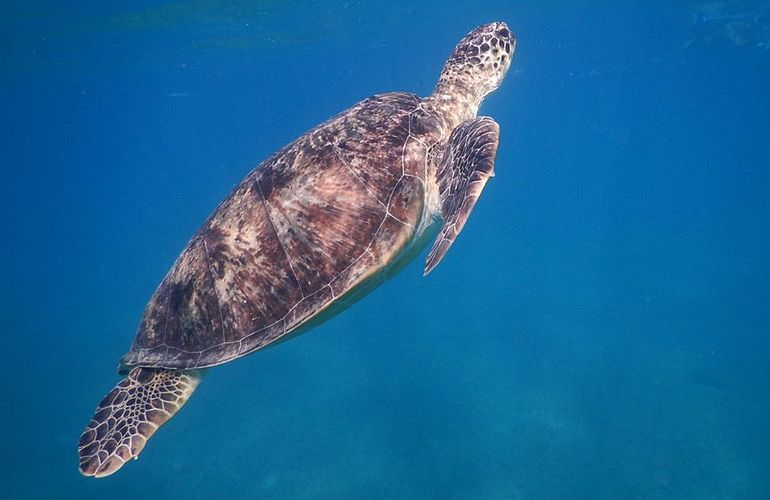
x: 599, y: 330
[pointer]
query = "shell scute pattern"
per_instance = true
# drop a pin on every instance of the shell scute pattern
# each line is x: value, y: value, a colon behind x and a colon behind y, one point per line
x: 299, y: 231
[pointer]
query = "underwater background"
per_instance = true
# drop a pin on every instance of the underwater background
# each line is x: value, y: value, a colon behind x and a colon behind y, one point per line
x: 599, y: 330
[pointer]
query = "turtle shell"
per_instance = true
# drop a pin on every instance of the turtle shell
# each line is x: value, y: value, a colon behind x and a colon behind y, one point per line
x: 294, y: 238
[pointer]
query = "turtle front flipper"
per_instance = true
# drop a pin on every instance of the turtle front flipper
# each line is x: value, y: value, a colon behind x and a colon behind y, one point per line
x: 129, y: 415
x: 467, y: 164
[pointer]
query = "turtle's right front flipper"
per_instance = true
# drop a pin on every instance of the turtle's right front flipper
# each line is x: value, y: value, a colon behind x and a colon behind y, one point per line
x: 129, y: 415
x: 467, y: 165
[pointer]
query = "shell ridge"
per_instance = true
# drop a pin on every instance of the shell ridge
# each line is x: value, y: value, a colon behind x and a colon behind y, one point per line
x: 278, y: 237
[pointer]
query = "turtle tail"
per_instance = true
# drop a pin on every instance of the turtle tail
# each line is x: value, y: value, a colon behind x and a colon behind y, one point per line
x: 130, y: 414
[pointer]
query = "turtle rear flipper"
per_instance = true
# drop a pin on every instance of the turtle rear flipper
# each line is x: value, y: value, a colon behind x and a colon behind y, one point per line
x: 129, y: 415
x: 467, y: 165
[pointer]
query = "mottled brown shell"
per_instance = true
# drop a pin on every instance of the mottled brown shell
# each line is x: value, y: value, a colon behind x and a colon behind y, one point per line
x: 299, y: 233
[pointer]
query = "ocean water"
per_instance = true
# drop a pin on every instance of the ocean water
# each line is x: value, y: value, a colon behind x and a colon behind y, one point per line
x: 599, y: 330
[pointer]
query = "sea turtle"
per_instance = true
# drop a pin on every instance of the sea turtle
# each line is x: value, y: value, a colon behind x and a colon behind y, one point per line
x: 307, y: 232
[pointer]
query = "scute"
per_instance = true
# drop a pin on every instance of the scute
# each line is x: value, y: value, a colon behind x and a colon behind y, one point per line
x: 297, y: 234
x: 322, y: 218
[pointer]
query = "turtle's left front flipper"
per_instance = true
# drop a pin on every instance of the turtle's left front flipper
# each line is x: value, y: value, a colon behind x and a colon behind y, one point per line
x: 467, y: 164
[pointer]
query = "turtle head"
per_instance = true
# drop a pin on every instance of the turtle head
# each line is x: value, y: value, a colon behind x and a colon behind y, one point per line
x: 477, y: 65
